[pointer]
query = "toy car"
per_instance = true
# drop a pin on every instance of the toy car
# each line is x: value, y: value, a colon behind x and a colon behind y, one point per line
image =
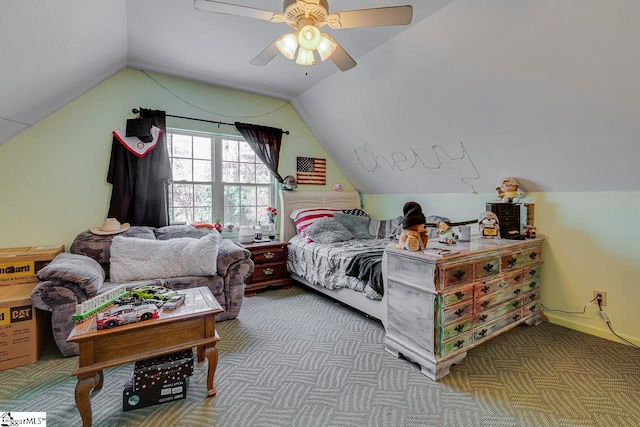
x: 174, y: 302
x: 124, y: 314
x: 152, y: 292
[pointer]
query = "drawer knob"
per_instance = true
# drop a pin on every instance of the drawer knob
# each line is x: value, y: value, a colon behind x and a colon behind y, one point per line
x: 459, y: 312
x: 517, y: 291
x: 517, y: 278
x: 485, y: 289
x: 532, y: 272
x: 516, y: 317
x: 533, y: 255
x: 459, y: 344
x: 269, y: 255
x: 482, y: 333
x: 533, y: 284
x: 484, y: 304
x: 483, y: 318
x: 516, y: 303
x: 459, y: 328
x: 268, y: 271
x: 460, y: 295
x: 488, y: 267
x: 532, y: 296
x: 512, y: 261
x: 532, y: 308
x: 459, y: 274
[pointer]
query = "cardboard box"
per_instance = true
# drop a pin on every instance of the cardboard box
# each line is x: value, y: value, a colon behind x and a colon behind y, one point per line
x: 20, y: 265
x: 162, y: 370
x: 154, y: 395
x: 22, y: 328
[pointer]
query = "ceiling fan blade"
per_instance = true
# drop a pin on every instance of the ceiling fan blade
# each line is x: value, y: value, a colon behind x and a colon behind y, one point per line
x: 376, y: 17
x: 342, y: 59
x: 236, y: 10
x: 266, y: 55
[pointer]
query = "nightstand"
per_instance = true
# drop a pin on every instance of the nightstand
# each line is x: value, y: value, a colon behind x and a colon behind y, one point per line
x: 270, y: 259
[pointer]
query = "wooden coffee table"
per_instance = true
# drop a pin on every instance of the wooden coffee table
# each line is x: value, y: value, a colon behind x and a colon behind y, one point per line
x: 190, y: 325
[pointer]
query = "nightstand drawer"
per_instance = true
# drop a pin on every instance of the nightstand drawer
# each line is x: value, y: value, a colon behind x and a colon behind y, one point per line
x: 268, y: 255
x: 268, y: 272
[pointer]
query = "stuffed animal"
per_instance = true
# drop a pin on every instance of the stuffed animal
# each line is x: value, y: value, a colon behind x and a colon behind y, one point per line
x: 489, y: 225
x: 445, y: 234
x: 509, y: 191
x: 414, y: 236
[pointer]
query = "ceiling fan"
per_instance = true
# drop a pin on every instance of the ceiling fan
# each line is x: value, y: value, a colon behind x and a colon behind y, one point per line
x: 307, y: 17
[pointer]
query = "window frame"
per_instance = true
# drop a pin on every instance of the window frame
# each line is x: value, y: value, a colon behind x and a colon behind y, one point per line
x: 217, y: 184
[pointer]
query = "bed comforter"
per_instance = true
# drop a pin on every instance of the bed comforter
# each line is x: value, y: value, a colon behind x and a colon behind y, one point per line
x: 328, y: 265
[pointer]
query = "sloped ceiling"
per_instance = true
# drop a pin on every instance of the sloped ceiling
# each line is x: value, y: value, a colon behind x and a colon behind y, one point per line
x: 547, y: 91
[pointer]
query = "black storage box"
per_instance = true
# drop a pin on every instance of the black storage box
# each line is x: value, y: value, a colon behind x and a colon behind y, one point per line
x: 162, y: 370
x: 149, y: 396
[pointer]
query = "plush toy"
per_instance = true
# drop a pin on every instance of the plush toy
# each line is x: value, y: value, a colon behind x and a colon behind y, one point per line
x: 445, y: 234
x: 414, y: 236
x: 509, y: 191
x: 489, y: 225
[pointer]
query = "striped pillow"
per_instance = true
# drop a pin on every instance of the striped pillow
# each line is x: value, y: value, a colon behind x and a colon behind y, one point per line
x: 303, y: 218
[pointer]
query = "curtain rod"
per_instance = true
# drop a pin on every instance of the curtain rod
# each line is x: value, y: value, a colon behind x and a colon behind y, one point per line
x: 137, y: 111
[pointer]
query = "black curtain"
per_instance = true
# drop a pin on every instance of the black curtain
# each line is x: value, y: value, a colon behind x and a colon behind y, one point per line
x: 140, y: 184
x: 265, y: 141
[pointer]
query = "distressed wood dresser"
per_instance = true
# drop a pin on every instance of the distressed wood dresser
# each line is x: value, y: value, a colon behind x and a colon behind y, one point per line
x: 440, y: 306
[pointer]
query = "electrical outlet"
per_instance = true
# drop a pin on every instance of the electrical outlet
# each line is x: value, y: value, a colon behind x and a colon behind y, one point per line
x: 603, y: 296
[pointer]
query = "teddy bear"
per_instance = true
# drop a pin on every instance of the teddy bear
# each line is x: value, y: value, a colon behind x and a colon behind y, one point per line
x: 414, y: 236
x: 445, y: 234
x: 489, y: 225
x: 508, y: 191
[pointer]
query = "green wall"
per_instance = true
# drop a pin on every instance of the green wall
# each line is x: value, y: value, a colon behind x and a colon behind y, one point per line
x: 53, y: 175
x: 591, y: 242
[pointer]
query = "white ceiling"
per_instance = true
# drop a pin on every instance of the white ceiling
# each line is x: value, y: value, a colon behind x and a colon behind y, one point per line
x: 52, y: 52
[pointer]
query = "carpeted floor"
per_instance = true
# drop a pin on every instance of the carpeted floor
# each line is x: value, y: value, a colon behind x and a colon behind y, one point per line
x: 294, y: 358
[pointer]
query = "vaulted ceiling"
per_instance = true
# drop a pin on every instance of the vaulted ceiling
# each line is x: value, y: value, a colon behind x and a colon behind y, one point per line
x: 471, y: 91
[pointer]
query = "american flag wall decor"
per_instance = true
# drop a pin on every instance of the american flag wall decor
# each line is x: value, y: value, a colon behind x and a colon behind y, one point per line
x: 312, y: 171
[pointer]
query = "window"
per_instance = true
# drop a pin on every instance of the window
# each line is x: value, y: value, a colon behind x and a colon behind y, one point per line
x: 216, y: 176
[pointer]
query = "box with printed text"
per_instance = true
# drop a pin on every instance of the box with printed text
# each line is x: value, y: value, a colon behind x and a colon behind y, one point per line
x: 20, y: 265
x: 22, y: 328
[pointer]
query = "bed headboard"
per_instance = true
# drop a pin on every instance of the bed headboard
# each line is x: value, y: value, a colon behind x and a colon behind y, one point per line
x: 292, y: 200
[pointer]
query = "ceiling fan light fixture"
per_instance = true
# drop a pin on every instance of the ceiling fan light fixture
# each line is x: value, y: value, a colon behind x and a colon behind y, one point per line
x: 287, y: 44
x: 305, y: 57
x: 309, y: 37
x: 326, y: 47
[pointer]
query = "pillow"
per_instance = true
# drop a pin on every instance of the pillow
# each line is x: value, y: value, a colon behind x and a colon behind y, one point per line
x: 357, y: 212
x: 386, y: 228
x: 142, y: 259
x: 327, y: 230
x: 74, y: 268
x: 357, y: 225
x: 303, y: 218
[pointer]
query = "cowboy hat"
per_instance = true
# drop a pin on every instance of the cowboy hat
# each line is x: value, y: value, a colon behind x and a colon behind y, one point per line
x: 110, y: 226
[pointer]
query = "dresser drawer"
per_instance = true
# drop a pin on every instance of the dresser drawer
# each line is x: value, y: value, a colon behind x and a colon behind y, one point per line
x: 456, y: 312
x: 532, y: 270
x: 456, y: 343
x: 486, y: 330
x: 457, y: 328
x: 531, y: 308
x: 486, y: 268
x: 531, y: 284
x: 267, y: 255
x: 268, y: 271
x: 457, y: 296
x: 497, y: 311
x: 530, y: 297
x: 456, y: 275
x: 498, y: 297
x: 532, y: 255
x: 511, y: 261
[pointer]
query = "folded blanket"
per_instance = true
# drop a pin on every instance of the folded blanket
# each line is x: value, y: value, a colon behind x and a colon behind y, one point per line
x: 76, y: 269
x: 367, y: 266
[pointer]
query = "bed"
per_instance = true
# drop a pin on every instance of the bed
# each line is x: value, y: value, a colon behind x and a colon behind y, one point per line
x: 323, y: 267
